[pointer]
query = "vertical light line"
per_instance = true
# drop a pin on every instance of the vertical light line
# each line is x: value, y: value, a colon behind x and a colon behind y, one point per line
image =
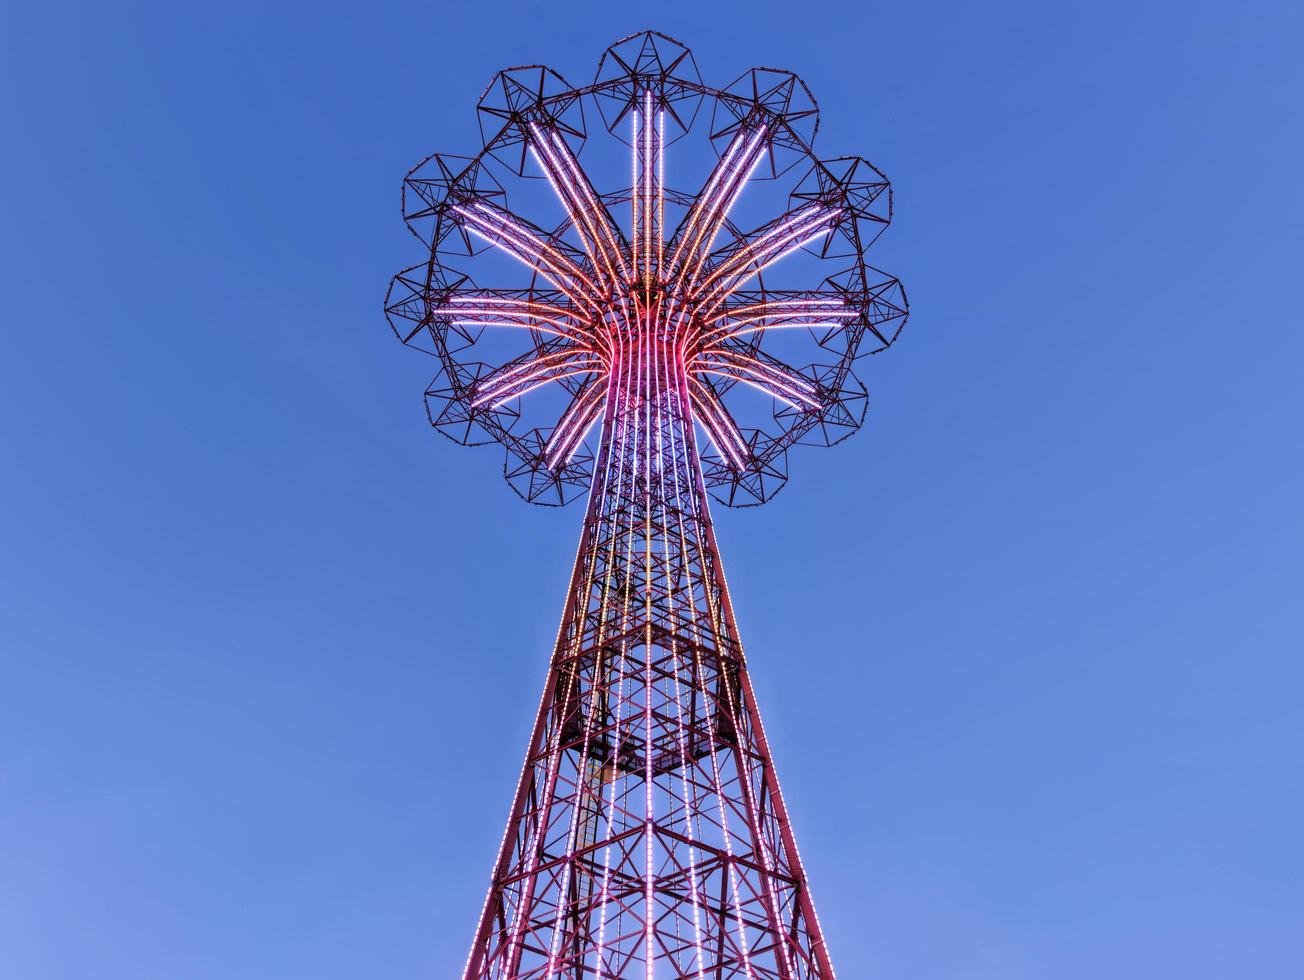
x: 668, y: 416
x: 648, y: 684
x: 525, y: 896
x: 600, y: 669
x: 744, y: 765
x: 637, y: 218
x: 647, y: 187
x: 661, y: 194
x: 581, y: 781
x: 690, y: 462
x: 627, y: 413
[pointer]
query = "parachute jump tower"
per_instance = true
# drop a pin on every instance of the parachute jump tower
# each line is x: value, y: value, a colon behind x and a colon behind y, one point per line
x: 654, y: 348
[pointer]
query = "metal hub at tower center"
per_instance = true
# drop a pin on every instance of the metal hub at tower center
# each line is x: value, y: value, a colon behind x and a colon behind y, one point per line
x: 654, y: 339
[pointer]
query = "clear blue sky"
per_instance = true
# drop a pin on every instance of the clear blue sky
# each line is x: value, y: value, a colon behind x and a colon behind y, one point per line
x: 1029, y: 646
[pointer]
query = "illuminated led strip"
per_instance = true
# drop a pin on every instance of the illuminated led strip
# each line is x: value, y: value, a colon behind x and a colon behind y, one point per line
x: 757, y: 152
x: 502, y: 376
x: 757, y: 385
x: 721, y: 428
x: 526, y: 306
x: 580, y: 418
x: 760, y: 325
x: 664, y: 387
x: 723, y: 293
x: 797, y: 384
x: 523, y: 322
x: 773, y: 383
x: 583, y: 434
x: 587, y: 361
x: 787, y: 313
x: 701, y: 511
x: 575, y: 424
x: 520, y: 243
x: 684, y: 431
x: 661, y: 192
x: 781, y: 304
x: 546, y: 381
x: 636, y: 241
x: 522, y: 313
x: 760, y: 254
x: 626, y: 412
x: 646, y: 123
x: 568, y: 198
x: 600, y: 215
x: 649, y: 902
x: 687, y: 284
x: 694, y: 215
x: 522, y: 910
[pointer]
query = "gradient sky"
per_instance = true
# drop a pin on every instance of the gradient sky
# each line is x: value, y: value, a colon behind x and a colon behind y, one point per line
x: 1028, y: 647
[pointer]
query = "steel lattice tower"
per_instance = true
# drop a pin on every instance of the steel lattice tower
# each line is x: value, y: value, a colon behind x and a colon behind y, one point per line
x: 648, y: 836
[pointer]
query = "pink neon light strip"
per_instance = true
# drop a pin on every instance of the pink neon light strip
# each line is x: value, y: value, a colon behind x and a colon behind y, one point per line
x: 494, y: 386
x: 520, y: 244
x: 546, y: 381
x: 719, y: 425
x: 649, y: 894
x: 661, y: 193
x: 724, y: 291
x: 697, y: 517
x: 754, y: 252
x: 625, y: 412
x: 636, y: 246
x: 600, y: 214
x: 756, y: 153
x: 759, y: 386
x: 663, y: 388
x: 694, y: 216
x: 578, y: 197
x: 762, y: 369
x: 647, y: 189
x: 538, y: 266
x: 572, y: 428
